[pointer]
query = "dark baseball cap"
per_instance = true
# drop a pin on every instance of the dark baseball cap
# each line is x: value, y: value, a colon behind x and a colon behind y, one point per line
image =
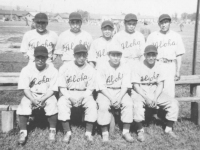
x: 80, y: 48
x: 150, y: 49
x: 107, y: 23
x: 41, y: 51
x: 163, y: 17
x: 75, y: 16
x: 41, y: 17
x: 130, y: 16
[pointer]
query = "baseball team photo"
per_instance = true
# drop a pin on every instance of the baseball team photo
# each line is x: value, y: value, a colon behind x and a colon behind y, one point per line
x: 107, y: 75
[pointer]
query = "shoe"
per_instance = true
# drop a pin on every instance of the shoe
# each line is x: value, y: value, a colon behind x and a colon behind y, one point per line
x: 128, y: 137
x: 67, y: 138
x: 141, y: 136
x: 172, y: 134
x: 52, y: 135
x: 89, y: 138
x: 22, y: 138
x: 105, y: 138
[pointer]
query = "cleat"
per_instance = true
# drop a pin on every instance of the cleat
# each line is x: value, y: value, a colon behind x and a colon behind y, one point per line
x: 67, y: 138
x: 52, y: 135
x: 128, y: 137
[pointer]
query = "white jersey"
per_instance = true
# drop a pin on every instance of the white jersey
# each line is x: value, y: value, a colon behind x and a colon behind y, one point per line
x: 32, y: 39
x: 132, y: 44
x: 73, y: 77
x: 98, y: 51
x: 148, y: 77
x: 169, y: 45
x: 38, y: 81
x: 107, y: 76
x: 68, y: 40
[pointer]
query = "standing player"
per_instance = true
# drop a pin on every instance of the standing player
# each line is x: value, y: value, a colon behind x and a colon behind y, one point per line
x: 148, y: 80
x: 39, y: 37
x: 131, y: 41
x: 170, y: 50
x: 77, y: 82
x: 98, y: 49
x: 113, y: 82
x: 38, y: 80
x: 72, y: 37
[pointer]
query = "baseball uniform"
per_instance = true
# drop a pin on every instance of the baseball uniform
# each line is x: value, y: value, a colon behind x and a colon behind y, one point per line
x: 68, y: 40
x: 79, y: 82
x: 32, y: 39
x: 132, y: 45
x: 113, y: 79
x: 38, y: 82
x: 169, y: 46
x: 148, y: 78
x: 98, y: 51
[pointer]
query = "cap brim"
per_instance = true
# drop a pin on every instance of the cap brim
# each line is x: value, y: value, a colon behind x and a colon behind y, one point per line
x: 41, y: 54
x: 130, y: 19
x: 166, y: 18
x: 81, y: 51
x: 40, y: 20
x: 107, y: 25
x: 151, y: 52
x: 115, y: 51
x: 75, y: 19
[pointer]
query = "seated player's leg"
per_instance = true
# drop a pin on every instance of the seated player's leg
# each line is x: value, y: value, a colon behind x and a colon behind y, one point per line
x: 90, y: 115
x: 127, y: 116
x: 171, y: 106
x: 51, y: 111
x: 24, y: 111
x: 64, y: 113
x: 138, y: 114
x: 103, y: 115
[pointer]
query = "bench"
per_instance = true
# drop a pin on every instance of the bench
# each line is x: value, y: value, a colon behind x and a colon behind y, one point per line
x: 8, y: 82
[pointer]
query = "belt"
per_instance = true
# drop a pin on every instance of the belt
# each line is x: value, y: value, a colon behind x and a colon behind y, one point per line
x: 76, y: 89
x: 149, y: 83
x: 114, y: 88
x: 164, y: 60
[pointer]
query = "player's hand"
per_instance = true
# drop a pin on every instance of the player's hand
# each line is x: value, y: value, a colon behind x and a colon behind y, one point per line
x: 149, y: 102
x: 177, y: 76
x: 79, y: 102
x: 54, y: 57
x: 42, y: 104
x: 153, y: 103
x: 35, y: 103
x: 73, y: 101
x: 117, y: 102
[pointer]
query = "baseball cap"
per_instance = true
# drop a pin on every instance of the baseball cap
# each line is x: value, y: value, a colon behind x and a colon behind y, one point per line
x: 114, y: 47
x: 41, y: 17
x: 75, y: 16
x: 41, y: 51
x: 80, y: 48
x: 107, y: 23
x: 130, y: 16
x: 163, y: 17
x: 150, y: 49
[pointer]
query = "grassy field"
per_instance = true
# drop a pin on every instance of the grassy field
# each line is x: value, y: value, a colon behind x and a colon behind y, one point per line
x: 12, y: 61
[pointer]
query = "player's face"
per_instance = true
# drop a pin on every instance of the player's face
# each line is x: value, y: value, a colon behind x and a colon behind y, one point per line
x: 107, y: 31
x: 40, y: 62
x: 75, y: 25
x: 130, y: 26
x: 115, y: 58
x: 150, y: 58
x: 164, y: 25
x: 41, y: 26
x: 80, y: 58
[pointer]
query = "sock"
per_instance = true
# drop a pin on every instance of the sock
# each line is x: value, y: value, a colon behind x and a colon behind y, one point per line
x: 104, y: 130
x: 105, y: 133
x: 24, y: 131
x: 138, y: 125
x: 170, y: 123
x: 168, y: 129
x: 89, y: 127
x: 52, y: 129
x: 65, y: 125
x: 23, y: 122
x: 126, y: 128
x: 53, y: 120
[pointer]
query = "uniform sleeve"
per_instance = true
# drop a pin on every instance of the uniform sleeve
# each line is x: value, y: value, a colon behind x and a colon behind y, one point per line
x: 58, y: 48
x: 126, y: 82
x: 61, y: 82
x: 180, y: 48
x: 135, y: 75
x: 24, y: 44
x: 100, y: 80
x: 24, y: 80
x: 53, y: 83
x: 92, y: 52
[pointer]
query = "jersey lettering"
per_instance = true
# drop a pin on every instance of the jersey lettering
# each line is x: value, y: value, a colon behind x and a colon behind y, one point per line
x: 76, y: 79
x: 44, y: 80
x: 163, y: 44
x: 36, y: 44
x: 147, y: 78
x: 128, y: 45
x: 110, y: 80
x: 101, y: 53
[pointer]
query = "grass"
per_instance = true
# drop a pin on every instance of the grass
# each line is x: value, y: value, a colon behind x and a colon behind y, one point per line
x: 12, y: 61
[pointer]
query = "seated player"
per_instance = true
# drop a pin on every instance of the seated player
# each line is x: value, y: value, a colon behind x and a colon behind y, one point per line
x: 148, y: 79
x: 76, y: 83
x: 114, y: 79
x: 38, y: 81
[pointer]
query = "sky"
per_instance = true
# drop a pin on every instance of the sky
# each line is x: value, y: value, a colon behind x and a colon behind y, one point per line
x: 144, y: 7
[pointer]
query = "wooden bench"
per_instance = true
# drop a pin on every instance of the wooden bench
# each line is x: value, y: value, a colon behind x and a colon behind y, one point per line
x: 8, y: 82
